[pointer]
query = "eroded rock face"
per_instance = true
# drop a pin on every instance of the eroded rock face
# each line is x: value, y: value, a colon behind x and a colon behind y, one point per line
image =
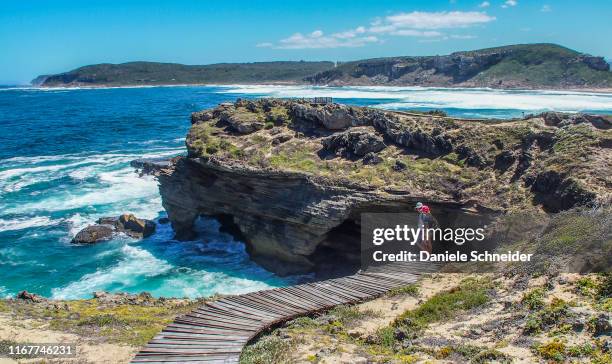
x: 331, y: 116
x: 284, y: 217
x: 563, y: 119
x: 357, y: 143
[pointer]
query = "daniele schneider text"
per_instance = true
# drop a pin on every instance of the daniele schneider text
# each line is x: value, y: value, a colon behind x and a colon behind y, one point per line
x: 412, y: 236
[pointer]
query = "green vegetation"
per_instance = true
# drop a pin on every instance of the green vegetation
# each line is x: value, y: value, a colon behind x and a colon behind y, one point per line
x: 347, y: 315
x: 491, y: 355
x: 587, y: 286
x: 559, y: 351
x: 205, y: 142
x: 598, y: 288
x: 122, y: 323
x: 444, y: 306
x: 469, y: 294
x: 544, y: 64
x: 534, y: 299
x: 268, y: 350
x: 153, y: 73
x: 410, y: 290
x: 553, y: 350
x: 298, y: 160
x: 553, y: 318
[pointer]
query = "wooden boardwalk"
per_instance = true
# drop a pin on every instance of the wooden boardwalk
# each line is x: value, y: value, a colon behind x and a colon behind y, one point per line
x: 217, y: 331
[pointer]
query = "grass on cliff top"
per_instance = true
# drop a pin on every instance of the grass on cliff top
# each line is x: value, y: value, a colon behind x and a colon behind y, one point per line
x: 128, y: 324
x: 453, y: 175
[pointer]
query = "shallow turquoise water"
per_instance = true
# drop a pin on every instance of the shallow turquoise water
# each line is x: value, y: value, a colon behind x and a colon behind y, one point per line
x: 64, y: 162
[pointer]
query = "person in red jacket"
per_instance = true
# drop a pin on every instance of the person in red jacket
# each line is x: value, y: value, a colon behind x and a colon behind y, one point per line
x: 425, y: 221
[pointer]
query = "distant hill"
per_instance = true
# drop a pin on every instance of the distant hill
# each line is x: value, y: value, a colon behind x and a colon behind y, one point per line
x: 515, y: 66
x: 547, y: 66
x: 153, y: 73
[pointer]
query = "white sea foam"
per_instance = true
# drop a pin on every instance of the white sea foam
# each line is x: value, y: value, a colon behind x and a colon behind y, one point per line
x: 199, y: 283
x: 25, y: 223
x: 117, y: 186
x: 412, y: 97
x: 135, y: 265
x: 28, y: 171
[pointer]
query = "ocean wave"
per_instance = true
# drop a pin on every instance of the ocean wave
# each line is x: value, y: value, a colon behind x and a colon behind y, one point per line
x: 138, y: 265
x: 413, y: 97
x: 118, y: 186
x: 135, y: 265
x: 30, y: 172
x: 200, y: 283
x: 25, y: 223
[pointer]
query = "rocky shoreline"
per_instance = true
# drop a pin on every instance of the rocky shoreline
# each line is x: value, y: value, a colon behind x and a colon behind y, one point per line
x: 291, y: 178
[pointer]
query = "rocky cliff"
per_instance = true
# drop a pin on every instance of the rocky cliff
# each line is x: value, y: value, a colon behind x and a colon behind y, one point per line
x: 291, y: 178
x: 517, y: 66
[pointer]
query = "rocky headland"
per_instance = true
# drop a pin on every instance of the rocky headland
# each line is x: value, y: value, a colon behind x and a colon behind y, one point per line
x: 530, y: 66
x: 516, y: 66
x: 291, y: 178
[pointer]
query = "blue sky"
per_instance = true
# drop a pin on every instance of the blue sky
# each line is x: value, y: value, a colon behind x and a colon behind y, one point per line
x: 38, y: 37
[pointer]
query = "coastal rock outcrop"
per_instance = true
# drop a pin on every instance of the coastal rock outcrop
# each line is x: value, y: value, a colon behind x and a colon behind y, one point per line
x: 106, y: 227
x: 297, y: 203
x: 30, y: 297
x: 354, y: 142
x: 93, y: 234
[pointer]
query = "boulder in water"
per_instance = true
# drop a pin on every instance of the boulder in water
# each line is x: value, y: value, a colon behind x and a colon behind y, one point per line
x: 107, y: 226
x: 135, y: 227
x: 93, y: 234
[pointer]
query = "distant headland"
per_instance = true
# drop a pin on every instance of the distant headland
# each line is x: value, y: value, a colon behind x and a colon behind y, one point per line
x: 526, y: 66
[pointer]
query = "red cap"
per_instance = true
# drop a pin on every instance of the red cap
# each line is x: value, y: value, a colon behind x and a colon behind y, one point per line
x: 425, y: 209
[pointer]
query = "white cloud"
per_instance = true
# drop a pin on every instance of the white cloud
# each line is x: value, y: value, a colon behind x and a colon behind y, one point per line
x: 510, y: 3
x: 447, y: 37
x: 461, y: 36
x: 350, y: 33
x: 316, y: 34
x: 418, y: 24
x: 484, y: 4
x: 438, y: 20
x: 546, y: 8
x: 318, y: 40
x: 416, y: 33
